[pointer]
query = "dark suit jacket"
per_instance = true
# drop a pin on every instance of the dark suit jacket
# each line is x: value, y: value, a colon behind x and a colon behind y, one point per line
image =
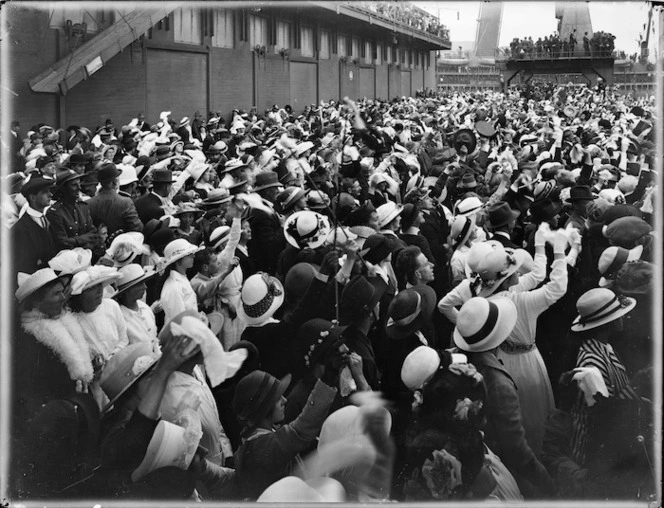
x: 32, y: 245
x: 506, y: 242
x: 148, y: 207
x: 267, y: 240
x: 114, y: 210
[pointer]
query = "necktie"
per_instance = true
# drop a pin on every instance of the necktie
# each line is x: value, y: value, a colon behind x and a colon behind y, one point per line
x: 43, y: 221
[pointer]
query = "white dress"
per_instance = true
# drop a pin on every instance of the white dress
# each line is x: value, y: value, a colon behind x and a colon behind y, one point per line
x: 141, y: 325
x: 520, y: 355
x: 177, y: 295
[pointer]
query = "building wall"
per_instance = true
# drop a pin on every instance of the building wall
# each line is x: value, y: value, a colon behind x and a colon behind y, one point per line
x: 156, y: 73
x: 32, y: 46
x: 123, y: 79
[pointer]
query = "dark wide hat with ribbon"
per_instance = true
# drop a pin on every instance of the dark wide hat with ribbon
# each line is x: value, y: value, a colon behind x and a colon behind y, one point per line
x: 108, y: 172
x: 162, y: 176
x: 409, y: 311
x: 256, y: 394
x: 261, y: 296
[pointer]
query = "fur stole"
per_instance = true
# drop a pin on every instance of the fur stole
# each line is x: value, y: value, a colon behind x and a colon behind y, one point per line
x: 65, y: 338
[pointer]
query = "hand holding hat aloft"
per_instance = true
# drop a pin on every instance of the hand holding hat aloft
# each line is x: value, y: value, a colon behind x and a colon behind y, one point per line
x: 219, y: 365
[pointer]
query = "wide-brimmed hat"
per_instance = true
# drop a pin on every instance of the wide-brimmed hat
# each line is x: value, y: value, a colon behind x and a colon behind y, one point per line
x: 501, y: 214
x: 580, y: 193
x: 409, y: 311
x: 187, y: 207
x: 497, y: 266
x: 132, y: 274
x: 599, y: 306
x: 178, y: 249
x: 219, y: 147
x: 261, y: 296
x: 464, y: 137
x: 172, y: 445
x: 126, y: 367
x: 485, y: 129
x: 128, y: 174
x: 93, y: 276
x: 419, y: 367
x: 35, y: 184
x: 217, y: 197
x: 290, y: 196
x: 219, y: 237
x: 375, y: 248
x: 125, y: 247
x: 292, y: 489
x: 612, y: 260
x: 29, y: 283
x: 387, y: 213
x: 484, y: 324
x: 232, y: 165
x: 71, y: 260
x: 107, y: 172
x: 265, y: 180
x: 316, y: 338
x: 162, y: 176
x: 543, y: 210
x: 65, y: 175
x: 462, y: 227
x: 468, y: 206
x: 256, y: 394
x: 306, y: 229
x: 299, y: 278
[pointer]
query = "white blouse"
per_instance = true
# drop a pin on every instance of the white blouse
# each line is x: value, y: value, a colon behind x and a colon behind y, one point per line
x: 177, y: 295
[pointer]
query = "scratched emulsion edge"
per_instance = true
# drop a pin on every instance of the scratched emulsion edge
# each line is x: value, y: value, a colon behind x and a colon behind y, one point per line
x: 6, y: 301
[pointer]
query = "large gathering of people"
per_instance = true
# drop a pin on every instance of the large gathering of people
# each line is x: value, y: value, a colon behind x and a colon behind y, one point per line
x: 600, y: 44
x: 407, y: 14
x: 434, y: 298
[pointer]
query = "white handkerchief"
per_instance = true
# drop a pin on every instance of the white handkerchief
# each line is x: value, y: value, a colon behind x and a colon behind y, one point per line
x: 219, y: 364
x: 590, y: 382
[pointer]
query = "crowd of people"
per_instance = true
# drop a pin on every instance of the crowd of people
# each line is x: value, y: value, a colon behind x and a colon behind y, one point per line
x: 437, y: 298
x: 407, y: 14
x: 553, y: 46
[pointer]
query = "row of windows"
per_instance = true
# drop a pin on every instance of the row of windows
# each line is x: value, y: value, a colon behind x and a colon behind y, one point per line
x: 188, y: 28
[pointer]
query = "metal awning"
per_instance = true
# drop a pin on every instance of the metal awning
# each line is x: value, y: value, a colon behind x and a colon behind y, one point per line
x: 91, y: 56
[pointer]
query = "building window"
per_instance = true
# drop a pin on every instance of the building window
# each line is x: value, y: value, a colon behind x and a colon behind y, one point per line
x: 378, y: 53
x: 356, y: 47
x: 223, y: 28
x: 341, y: 45
x: 257, y: 31
x: 283, y: 36
x: 324, y: 52
x: 188, y: 26
x: 368, y: 52
x: 307, y: 41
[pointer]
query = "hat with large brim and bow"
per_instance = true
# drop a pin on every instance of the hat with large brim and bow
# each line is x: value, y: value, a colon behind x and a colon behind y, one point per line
x: 29, y: 283
x: 483, y: 324
x: 178, y: 249
x: 598, y: 307
x: 125, y: 368
x: 261, y: 296
x: 494, y: 268
x: 306, y: 229
x: 93, y: 276
x: 409, y: 311
x: 132, y: 274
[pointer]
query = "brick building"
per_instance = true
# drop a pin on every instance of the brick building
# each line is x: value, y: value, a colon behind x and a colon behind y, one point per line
x: 83, y: 63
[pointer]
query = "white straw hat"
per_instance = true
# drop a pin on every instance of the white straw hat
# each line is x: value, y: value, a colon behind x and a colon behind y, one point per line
x: 178, y: 249
x: 484, y: 324
x: 419, y: 367
x: 599, y: 306
x: 261, y: 296
x: 28, y: 284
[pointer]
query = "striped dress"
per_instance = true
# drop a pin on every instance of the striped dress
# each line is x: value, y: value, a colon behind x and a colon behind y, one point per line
x: 594, y: 353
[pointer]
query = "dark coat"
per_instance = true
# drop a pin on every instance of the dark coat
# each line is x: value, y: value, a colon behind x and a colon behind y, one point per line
x: 266, y: 456
x: 32, y: 245
x: 267, y: 240
x: 275, y: 343
x: 114, y: 210
x: 69, y: 222
x: 149, y: 207
x: 421, y: 242
x: 504, y: 431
